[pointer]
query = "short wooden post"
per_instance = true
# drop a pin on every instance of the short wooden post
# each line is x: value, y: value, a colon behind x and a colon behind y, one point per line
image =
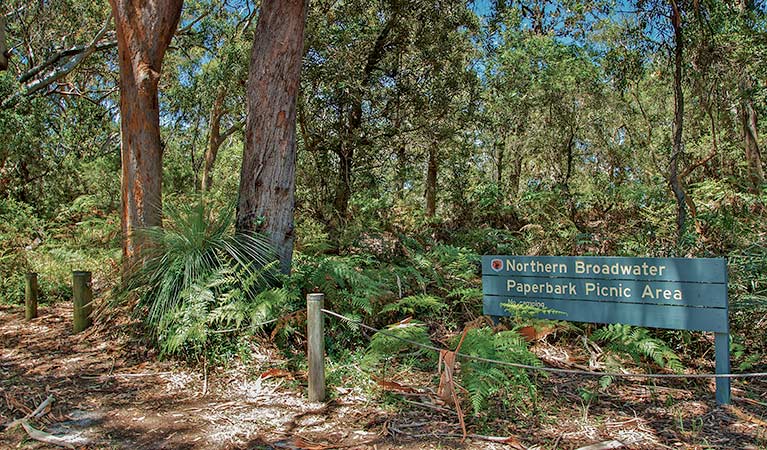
x: 30, y: 296
x: 315, y: 333
x: 83, y: 298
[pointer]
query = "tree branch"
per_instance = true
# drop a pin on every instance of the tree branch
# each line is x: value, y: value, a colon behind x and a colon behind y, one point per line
x: 77, y: 55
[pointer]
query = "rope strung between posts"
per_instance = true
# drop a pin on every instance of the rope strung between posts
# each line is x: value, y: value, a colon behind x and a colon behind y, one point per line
x: 253, y: 327
x: 550, y: 369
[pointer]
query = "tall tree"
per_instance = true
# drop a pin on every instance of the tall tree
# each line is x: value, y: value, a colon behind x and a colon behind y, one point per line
x: 267, y: 179
x: 678, y: 124
x: 3, y: 45
x: 748, y: 114
x: 144, y: 32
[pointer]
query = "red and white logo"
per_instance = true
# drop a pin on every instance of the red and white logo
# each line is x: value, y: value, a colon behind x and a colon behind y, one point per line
x: 496, y: 264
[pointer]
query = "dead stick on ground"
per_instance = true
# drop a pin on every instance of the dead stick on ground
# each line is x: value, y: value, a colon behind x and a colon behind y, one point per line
x: 37, y: 413
x: 498, y: 439
x: 42, y: 436
x: 430, y: 406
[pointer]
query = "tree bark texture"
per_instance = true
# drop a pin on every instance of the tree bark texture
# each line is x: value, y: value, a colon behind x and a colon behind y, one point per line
x: 344, y: 187
x: 3, y: 46
x: 676, y: 154
x: 216, y: 138
x: 144, y: 31
x: 431, y: 181
x: 401, y: 174
x: 267, y: 183
x: 749, y: 119
x: 500, y: 150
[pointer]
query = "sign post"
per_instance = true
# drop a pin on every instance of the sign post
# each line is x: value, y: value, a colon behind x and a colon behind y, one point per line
x: 673, y: 293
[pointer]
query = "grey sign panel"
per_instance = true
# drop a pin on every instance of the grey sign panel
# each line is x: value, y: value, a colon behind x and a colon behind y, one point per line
x: 657, y: 316
x: 674, y: 293
x: 699, y: 270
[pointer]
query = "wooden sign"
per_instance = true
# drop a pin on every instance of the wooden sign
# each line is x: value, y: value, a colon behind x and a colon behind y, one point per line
x: 673, y: 293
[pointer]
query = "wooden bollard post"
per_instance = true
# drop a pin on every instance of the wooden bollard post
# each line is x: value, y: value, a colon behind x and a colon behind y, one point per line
x: 30, y: 296
x: 315, y: 333
x: 83, y: 297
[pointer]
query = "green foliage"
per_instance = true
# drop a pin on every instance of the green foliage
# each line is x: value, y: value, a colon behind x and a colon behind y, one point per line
x: 487, y: 381
x: 422, y: 304
x: 199, y: 275
x: 392, y: 341
x: 639, y: 344
x: 349, y: 283
x: 551, y: 136
x: 18, y: 226
x: 522, y: 311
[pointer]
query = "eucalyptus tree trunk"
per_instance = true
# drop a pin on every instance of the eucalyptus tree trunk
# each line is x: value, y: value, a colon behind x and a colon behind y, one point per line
x: 344, y: 184
x: 750, y: 135
x: 3, y: 46
x: 500, y: 150
x: 144, y: 31
x: 431, y: 181
x: 216, y: 138
x: 401, y: 174
x: 748, y: 117
x: 267, y: 180
x: 345, y: 150
x: 674, y: 179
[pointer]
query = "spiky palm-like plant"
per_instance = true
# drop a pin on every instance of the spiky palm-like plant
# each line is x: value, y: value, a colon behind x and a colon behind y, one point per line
x: 196, y: 246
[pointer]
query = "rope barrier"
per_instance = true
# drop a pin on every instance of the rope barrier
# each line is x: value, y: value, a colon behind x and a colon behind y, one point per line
x: 551, y: 369
x: 254, y: 326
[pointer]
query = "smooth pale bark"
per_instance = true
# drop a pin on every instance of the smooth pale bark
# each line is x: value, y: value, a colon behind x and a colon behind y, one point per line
x: 674, y: 179
x: 267, y: 180
x: 144, y: 31
x: 57, y: 66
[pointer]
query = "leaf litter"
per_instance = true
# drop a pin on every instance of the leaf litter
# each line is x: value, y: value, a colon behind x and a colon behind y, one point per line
x: 108, y: 390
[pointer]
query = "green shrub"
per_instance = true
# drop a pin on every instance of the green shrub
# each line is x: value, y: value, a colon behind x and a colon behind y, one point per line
x: 199, y: 275
x: 19, y: 227
x: 637, y: 343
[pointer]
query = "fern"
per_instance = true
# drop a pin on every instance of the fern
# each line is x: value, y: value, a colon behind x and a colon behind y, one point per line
x: 415, y: 303
x: 467, y: 295
x: 637, y: 343
x: 344, y: 281
x: 391, y: 342
x: 525, y: 311
x: 486, y: 380
x: 199, y: 276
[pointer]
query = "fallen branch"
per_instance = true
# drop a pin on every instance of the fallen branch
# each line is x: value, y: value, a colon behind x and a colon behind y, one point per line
x: 37, y: 413
x: 48, y: 438
x: 511, y: 441
x: 124, y: 375
x: 749, y: 400
x: 430, y: 406
x: 743, y: 415
x: 606, y: 445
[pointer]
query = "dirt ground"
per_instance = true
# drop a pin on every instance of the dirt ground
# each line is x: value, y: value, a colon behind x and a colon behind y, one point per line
x: 110, y: 392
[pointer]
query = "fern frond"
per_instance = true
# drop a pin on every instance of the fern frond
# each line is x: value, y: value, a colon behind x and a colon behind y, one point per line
x: 415, y: 303
x: 639, y: 345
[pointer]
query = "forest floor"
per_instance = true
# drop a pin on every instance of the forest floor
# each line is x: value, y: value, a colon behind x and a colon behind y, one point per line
x: 109, y: 391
